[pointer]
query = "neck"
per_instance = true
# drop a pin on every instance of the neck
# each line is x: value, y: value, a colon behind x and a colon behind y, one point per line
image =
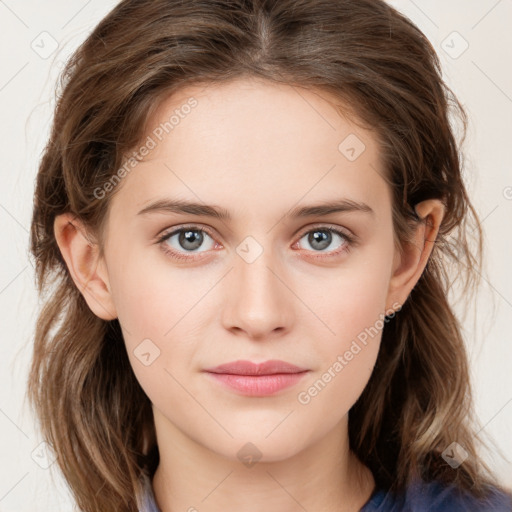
x: 325, y: 477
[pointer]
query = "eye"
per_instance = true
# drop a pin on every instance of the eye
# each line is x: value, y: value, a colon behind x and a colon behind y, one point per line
x: 321, y: 238
x: 189, y: 239
x: 185, y: 240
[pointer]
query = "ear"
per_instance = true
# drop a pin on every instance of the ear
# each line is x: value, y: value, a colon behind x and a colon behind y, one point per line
x: 410, y: 263
x: 87, y: 269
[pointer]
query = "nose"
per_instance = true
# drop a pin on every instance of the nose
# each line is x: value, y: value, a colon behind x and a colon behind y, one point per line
x: 259, y: 302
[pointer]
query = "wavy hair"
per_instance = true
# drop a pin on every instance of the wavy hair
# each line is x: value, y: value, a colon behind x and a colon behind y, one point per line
x: 387, y: 76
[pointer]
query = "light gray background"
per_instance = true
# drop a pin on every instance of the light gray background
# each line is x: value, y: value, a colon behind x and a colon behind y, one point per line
x: 481, y: 77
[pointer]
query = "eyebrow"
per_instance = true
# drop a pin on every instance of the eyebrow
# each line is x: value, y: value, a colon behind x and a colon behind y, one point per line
x: 200, y: 209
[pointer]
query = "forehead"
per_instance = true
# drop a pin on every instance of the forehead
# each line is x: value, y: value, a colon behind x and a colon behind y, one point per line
x: 254, y: 143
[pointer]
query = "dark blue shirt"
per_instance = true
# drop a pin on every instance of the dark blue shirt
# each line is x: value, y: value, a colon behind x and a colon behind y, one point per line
x: 418, y: 497
x: 436, y: 497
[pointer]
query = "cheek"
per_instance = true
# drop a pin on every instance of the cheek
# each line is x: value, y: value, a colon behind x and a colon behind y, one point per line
x: 149, y: 295
x: 363, y: 307
x: 353, y: 306
x: 354, y: 300
x: 158, y: 308
x: 347, y: 359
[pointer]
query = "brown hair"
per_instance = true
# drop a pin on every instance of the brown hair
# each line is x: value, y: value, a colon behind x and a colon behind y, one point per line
x: 372, y: 58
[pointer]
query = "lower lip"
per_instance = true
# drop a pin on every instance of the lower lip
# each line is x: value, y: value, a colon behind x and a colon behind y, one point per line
x: 258, y: 385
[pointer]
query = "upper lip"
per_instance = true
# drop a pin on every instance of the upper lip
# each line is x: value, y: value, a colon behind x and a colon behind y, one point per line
x: 249, y: 368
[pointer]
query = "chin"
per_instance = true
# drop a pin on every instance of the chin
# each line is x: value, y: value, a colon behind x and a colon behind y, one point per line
x: 254, y: 447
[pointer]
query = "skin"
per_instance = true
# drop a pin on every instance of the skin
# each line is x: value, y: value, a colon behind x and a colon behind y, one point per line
x: 257, y: 149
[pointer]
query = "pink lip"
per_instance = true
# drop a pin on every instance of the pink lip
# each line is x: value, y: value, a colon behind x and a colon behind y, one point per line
x: 253, y: 379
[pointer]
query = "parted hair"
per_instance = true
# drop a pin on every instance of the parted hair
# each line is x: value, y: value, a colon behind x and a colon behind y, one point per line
x: 387, y: 76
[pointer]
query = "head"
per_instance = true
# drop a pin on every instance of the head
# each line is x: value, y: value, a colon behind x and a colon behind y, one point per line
x: 259, y: 109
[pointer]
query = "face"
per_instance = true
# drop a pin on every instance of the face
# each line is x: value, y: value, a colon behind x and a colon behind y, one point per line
x: 269, y: 280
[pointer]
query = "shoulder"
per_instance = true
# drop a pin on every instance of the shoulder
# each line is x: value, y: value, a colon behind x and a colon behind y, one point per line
x: 440, y: 497
x: 423, y: 496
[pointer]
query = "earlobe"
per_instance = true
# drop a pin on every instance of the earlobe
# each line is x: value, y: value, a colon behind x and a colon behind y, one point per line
x: 86, y: 268
x: 412, y: 260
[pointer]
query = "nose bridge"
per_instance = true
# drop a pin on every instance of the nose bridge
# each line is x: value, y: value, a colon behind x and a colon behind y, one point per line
x: 259, y: 300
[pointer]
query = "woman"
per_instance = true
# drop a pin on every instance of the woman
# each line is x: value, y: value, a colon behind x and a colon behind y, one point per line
x: 300, y: 353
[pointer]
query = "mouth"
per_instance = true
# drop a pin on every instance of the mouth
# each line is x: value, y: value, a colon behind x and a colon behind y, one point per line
x: 252, y: 379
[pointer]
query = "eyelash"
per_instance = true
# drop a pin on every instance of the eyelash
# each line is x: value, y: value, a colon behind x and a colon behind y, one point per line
x: 347, y: 245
